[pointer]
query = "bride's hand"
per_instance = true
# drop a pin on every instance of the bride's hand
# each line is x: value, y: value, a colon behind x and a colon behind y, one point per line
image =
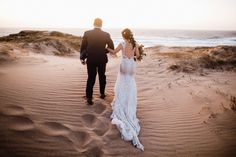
x: 117, y: 49
x: 113, y: 55
x: 109, y: 49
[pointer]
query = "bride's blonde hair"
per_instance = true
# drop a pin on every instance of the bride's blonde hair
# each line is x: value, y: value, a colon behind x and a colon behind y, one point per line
x: 128, y: 35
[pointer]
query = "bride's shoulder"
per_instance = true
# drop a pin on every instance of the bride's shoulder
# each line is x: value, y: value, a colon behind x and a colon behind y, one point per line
x: 122, y: 43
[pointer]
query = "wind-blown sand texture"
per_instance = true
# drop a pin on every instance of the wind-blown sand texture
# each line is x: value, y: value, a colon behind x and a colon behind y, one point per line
x: 43, y: 112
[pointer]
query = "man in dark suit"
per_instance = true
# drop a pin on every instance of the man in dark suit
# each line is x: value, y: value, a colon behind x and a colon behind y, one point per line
x: 94, y: 44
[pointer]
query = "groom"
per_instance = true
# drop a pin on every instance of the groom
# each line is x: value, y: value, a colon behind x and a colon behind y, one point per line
x: 94, y: 45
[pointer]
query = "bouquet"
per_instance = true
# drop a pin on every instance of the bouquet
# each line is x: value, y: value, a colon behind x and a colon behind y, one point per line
x: 141, y: 52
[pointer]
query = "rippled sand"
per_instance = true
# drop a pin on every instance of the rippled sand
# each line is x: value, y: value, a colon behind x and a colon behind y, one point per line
x: 43, y: 111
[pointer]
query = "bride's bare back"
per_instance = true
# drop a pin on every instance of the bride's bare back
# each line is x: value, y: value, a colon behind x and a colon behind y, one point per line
x: 129, y: 50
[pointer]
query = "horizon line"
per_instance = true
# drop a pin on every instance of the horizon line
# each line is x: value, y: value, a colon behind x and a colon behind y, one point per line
x: 137, y: 28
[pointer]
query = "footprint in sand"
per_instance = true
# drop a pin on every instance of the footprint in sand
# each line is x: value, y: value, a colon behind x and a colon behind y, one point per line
x: 94, y: 152
x: 93, y: 148
x: 98, y: 126
x: 89, y: 120
x: 99, y: 107
x: 80, y: 138
x: 14, y: 118
x: 12, y: 110
x: 54, y: 129
x: 112, y: 134
x: 101, y: 128
x: 19, y: 123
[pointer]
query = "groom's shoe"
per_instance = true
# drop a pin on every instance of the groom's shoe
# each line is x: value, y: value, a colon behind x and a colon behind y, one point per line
x: 102, y: 96
x: 89, y: 101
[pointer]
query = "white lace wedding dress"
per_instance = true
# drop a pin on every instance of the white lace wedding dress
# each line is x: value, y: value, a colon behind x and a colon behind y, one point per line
x: 125, y: 101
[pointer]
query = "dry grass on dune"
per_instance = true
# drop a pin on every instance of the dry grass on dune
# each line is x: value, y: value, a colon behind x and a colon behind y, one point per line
x: 198, y: 59
x: 6, y: 53
x: 233, y: 103
x: 45, y: 42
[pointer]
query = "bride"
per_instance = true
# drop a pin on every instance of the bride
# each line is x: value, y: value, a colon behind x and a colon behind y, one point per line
x: 125, y: 101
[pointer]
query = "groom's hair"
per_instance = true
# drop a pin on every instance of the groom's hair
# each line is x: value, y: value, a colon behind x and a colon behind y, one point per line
x: 97, y: 22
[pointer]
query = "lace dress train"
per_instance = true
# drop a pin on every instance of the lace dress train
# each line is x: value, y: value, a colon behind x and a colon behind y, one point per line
x: 125, y: 102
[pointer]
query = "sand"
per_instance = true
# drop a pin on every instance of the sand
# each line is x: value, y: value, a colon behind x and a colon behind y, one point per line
x: 43, y: 112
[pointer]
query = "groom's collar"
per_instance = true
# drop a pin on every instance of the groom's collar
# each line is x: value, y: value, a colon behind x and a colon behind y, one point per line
x: 97, y: 27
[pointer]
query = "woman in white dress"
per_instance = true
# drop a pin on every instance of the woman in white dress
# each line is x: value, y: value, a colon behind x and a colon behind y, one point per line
x: 125, y: 101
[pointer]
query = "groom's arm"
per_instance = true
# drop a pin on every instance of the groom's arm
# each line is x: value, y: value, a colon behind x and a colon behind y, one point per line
x: 110, y: 43
x: 83, y: 47
x: 84, y: 43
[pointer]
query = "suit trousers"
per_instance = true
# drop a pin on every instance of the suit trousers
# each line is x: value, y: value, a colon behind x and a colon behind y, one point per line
x: 92, y: 70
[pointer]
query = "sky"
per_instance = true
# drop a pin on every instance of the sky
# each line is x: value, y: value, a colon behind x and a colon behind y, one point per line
x: 155, y: 14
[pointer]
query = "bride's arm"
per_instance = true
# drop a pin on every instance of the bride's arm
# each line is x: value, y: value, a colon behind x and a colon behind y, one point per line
x: 117, y: 49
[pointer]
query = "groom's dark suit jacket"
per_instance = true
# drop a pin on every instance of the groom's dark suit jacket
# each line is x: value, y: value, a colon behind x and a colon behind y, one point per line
x: 94, y: 44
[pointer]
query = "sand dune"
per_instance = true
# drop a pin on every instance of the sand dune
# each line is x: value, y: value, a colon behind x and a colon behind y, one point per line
x: 196, y: 59
x: 43, y: 111
x: 15, y: 46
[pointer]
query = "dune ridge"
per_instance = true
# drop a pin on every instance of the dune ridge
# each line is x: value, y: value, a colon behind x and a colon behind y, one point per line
x: 14, y: 46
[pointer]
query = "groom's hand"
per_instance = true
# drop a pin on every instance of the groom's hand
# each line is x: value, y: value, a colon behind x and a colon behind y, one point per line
x: 83, y: 62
